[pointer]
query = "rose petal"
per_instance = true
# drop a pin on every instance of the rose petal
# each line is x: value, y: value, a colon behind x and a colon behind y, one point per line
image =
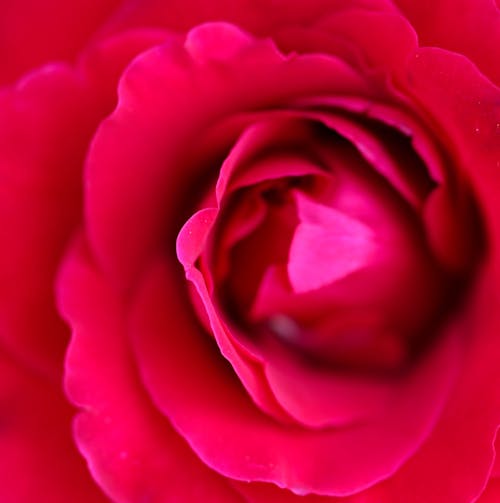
x: 236, y: 439
x: 327, y: 245
x: 45, y: 125
x: 387, y: 151
x: 53, y: 30
x: 179, y: 15
x: 129, y: 191
x: 103, y: 62
x: 39, y: 459
x: 496, y: 466
x: 245, y: 364
x: 267, y: 150
x: 471, y: 28
x: 132, y: 451
x: 376, y: 39
x: 258, y: 492
x: 301, y: 387
x: 470, y: 114
x: 492, y: 492
x: 476, y: 402
x: 192, y: 237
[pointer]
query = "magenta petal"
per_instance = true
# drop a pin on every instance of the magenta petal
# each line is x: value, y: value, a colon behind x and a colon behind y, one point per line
x: 470, y: 114
x: 468, y: 424
x: 318, y: 398
x: 54, y: 30
x: 383, y: 39
x: 206, y: 45
x: 370, y: 148
x: 131, y: 198
x: 39, y: 460
x: 469, y: 27
x: 45, y: 124
x: 103, y: 62
x: 244, y: 166
x: 259, y: 492
x: 245, y: 364
x: 389, y: 156
x: 181, y: 16
x: 446, y: 220
x: 132, y: 451
x: 275, y: 167
x: 246, y: 217
x: 193, y: 235
x: 301, y: 388
x: 327, y: 245
x: 492, y: 492
x: 189, y: 381
x: 496, y: 466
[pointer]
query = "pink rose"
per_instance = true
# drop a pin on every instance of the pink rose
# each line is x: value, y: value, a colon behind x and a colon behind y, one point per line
x: 251, y: 251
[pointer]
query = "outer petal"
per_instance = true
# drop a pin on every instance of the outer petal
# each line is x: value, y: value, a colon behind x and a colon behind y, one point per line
x: 458, y: 456
x: 470, y: 27
x: 46, y: 123
x: 496, y: 467
x: 34, y: 32
x: 260, y: 17
x: 257, y: 492
x: 491, y: 493
x: 104, y: 61
x: 133, y: 453
x: 45, y: 126
x: 378, y: 41
x: 39, y: 461
x: 170, y: 97
x: 188, y: 379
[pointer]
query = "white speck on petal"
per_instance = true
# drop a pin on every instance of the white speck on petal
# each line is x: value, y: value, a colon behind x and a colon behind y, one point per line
x: 284, y: 327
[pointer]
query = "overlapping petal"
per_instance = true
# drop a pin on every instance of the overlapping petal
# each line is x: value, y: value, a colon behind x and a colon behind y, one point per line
x: 34, y: 32
x: 468, y: 112
x: 40, y: 204
x: 132, y: 451
x: 39, y: 458
x: 468, y: 27
x: 244, y: 443
x: 169, y: 98
x: 167, y: 378
x: 47, y: 122
x: 130, y: 218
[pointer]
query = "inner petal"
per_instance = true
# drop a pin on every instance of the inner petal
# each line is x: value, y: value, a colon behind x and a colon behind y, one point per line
x: 327, y: 245
x: 316, y: 252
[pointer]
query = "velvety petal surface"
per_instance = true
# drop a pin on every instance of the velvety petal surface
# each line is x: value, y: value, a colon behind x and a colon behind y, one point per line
x: 132, y: 450
x: 468, y: 110
x: 34, y: 32
x: 39, y: 460
x: 300, y: 388
x: 476, y: 403
x: 244, y: 443
x: 469, y: 27
x: 184, y: 92
x: 375, y: 40
x: 492, y: 492
x: 248, y: 14
x: 46, y: 124
x: 45, y: 127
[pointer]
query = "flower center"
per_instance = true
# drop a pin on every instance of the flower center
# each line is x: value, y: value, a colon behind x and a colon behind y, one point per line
x: 334, y: 269
x: 332, y: 257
